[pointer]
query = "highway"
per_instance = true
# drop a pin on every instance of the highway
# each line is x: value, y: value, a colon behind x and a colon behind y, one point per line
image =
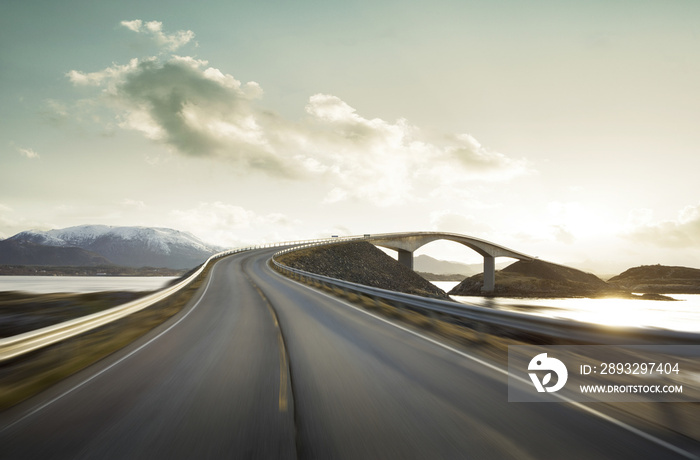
x: 258, y: 366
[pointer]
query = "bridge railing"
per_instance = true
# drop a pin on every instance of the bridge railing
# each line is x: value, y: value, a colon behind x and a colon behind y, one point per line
x: 491, y: 320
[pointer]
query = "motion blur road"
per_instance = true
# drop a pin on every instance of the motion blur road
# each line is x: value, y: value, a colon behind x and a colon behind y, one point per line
x: 258, y: 366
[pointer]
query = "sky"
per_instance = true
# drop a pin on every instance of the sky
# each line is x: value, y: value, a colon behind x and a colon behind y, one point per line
x: 561, y: 129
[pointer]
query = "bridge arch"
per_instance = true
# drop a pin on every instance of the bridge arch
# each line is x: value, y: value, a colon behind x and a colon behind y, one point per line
x: 406, y: 243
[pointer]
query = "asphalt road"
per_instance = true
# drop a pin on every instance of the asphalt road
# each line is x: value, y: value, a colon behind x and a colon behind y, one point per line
x: 258, y: 366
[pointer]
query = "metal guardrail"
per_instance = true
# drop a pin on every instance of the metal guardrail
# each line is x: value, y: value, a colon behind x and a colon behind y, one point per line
x: 12, y: 347
x: 484, y: 319
x: 20, y: 344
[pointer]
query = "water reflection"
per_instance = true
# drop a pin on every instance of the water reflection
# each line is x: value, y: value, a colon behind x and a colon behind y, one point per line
x: 53, y: 284
x: 683, y: 315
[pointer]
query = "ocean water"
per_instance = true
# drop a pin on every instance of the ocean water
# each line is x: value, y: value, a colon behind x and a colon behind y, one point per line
x: 82, y: 284
x: 682, y: 315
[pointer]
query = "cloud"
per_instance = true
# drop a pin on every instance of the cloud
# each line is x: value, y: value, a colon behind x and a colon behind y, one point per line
x: 11, y: 223
x: 28, y: 153
x: 196, y: 109
x: 135, y: 204
x: 683, y: 232
x: 199, y: 110
x: 154, y: 29
x: 54, y: 112
x: 110, y: 75
x: 455, y: 222
x: 388, y: 163
x: 232, y: 225
x: 563, y: 235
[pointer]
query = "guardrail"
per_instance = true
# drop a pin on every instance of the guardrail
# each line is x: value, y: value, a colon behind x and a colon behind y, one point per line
x: 12, y: 347
x: 487, y: 319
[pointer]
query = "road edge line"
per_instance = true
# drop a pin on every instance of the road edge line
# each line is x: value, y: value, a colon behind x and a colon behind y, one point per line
x: 608, y: 418
x: 119, y: 361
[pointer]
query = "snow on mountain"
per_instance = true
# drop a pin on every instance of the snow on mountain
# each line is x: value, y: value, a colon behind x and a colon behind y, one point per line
x: 128, y: 246
x: 160, y: 239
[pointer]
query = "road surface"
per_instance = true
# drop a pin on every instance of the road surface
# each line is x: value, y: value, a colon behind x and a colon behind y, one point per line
x: 258, y: 366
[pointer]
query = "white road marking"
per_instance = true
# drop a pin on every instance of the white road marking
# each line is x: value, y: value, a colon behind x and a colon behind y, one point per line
x: 503, y: 371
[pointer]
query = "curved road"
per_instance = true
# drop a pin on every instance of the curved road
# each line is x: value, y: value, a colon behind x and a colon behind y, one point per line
x: 258, y: 366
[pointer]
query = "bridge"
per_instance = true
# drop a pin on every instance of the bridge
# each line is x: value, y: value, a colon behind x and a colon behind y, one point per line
x: 407, y: 243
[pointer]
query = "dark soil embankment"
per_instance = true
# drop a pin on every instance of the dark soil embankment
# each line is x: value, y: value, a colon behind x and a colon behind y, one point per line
x: 362, y: 263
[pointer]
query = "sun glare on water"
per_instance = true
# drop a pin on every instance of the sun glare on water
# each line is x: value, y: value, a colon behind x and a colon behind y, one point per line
x: 682, y: 315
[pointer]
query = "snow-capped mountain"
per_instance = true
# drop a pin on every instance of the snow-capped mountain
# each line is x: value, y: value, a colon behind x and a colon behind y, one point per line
x: 127, y: 246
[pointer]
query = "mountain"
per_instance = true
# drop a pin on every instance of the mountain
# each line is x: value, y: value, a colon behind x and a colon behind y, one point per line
x: 19, y: 252
x: 427, y: 264
x: 125, y: 246
x: 659, y: 279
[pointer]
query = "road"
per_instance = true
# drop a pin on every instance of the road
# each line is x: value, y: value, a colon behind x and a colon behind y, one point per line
x: 258, y: 366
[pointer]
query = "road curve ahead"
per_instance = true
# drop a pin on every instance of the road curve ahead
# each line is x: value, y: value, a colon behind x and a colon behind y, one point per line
x: 261, y: 367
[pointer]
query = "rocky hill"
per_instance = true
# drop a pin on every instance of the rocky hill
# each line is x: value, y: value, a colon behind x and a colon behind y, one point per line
x: 361, y: 262
x: 659, y: 279
x: 537, y: 279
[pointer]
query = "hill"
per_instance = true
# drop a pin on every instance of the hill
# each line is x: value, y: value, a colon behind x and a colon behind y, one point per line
x: 361, y: 262
x: 659, y: 279
x: 22, y: 252
x: 123, y: 246
x: 537, y: 279
x: 426, y: 264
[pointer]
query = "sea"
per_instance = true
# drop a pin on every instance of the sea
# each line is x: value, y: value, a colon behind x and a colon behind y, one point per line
x: 681, y: 315
x: 82, y: 284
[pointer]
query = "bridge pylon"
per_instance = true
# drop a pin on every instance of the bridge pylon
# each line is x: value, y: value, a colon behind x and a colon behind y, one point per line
x: 406, y: 243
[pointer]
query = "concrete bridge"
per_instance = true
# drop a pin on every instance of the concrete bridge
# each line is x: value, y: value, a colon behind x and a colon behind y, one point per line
x: 406, y: 243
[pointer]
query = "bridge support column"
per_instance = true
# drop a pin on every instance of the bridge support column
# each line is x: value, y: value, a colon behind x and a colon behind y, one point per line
x: 406, y: 258
x: 489, y: 275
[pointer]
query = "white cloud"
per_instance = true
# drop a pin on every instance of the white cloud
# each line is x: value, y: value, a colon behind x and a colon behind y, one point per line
x: 134, y: 25
x: 28, y: 153
x: 231, y: 225
x: 563, y: 235
x: 110, y: 75
x: 12, y: 223
x: 199, y: 110
x: 683, y: 232
x: 454, y: 222
x: 170, y: 42
x: 389, y: 163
